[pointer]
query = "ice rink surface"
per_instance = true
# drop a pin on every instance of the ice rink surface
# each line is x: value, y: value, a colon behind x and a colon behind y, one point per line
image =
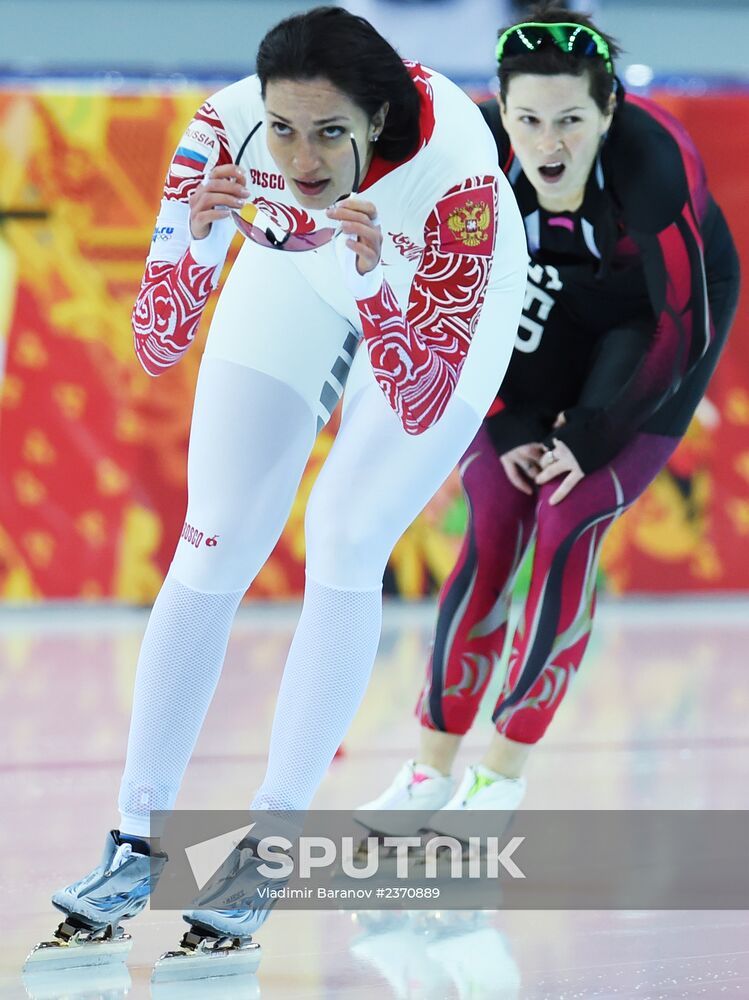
x: 657, y: 719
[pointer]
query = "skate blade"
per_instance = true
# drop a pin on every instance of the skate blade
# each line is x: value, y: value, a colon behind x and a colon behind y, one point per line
x: 200, y: 963
x: 79, y: 952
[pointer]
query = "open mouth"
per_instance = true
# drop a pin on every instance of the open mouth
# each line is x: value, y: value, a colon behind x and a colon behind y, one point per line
x: 551, y: 171
x: 311, y: 188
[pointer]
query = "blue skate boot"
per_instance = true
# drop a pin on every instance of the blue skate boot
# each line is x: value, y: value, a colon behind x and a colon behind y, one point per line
x: 234, y: 904
x: 117, y: 889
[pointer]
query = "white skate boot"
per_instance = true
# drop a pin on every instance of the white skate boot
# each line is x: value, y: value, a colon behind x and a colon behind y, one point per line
x: 417, y: 791
x: 117, y: 889
x: 479, y: 789
x: 226, y: 914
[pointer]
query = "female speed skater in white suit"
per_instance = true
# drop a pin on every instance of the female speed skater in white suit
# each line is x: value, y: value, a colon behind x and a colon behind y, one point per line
x: 385, y: 254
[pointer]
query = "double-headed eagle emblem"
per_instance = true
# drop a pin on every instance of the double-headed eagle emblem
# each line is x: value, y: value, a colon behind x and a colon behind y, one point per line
x: 470, y: 223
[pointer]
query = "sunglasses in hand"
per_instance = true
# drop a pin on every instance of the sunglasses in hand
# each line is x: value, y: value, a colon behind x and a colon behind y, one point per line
x: 256, y: 225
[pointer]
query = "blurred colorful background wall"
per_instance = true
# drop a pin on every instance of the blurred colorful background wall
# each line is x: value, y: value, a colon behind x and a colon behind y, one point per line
x: 92, y: 450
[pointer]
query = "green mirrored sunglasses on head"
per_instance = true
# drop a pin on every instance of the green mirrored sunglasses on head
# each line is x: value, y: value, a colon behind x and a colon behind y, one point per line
x: 576, y: 39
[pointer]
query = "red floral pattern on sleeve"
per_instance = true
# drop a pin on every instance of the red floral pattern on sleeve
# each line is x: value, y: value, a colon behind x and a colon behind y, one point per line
x: 173, y: 296
x: 417, y: 358
x: 168, y: 310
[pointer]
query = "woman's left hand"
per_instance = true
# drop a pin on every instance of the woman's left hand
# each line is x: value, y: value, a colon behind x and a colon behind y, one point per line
x: 359, y: 221
x: 559, y: 461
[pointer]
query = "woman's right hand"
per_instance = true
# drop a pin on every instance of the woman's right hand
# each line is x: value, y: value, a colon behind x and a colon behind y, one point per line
x: 522, y: 465
x: 223, y: 189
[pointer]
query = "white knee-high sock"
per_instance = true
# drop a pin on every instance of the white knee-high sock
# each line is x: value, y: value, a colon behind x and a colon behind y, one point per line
x: 179, y: 666
x: 326, y: 675
x: 249, y: 442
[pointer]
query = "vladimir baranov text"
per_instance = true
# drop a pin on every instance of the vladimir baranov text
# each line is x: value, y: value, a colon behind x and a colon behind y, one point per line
x: 400, y: 892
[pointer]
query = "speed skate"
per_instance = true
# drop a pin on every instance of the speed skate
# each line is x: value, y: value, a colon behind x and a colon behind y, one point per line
x: 76, y: 946
x: 227, y: 913
x: 205, y: 955
x: 91, y: 934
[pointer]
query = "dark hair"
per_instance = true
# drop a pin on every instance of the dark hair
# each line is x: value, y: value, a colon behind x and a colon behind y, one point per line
x: 331, y: 43
x: 549, y: 60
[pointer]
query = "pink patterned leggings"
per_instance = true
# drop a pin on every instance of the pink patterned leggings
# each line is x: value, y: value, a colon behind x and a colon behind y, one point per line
x: 557, y: 617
